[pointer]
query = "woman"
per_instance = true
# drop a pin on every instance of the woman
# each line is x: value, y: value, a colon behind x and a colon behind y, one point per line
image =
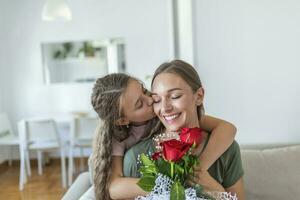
x: 178, y: 102
x: 125, y: 109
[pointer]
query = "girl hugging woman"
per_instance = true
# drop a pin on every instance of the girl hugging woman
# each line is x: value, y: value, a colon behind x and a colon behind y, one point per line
x: 131, y: 116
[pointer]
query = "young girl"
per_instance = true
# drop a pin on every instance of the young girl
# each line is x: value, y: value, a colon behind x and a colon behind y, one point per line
x: 178, y: 102
x: 125, y: 109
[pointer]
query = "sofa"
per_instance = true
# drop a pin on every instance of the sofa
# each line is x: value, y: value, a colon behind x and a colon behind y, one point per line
x: 272, y: 172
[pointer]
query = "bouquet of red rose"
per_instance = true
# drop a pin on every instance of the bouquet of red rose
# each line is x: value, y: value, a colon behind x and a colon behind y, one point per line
x: 172, y: 163
x: 164, y: 173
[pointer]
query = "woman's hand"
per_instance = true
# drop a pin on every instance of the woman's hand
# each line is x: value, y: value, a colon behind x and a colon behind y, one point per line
x: 203, y: 178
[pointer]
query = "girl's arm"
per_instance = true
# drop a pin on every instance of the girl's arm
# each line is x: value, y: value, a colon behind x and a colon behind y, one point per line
x: 222, y: 136
x: 121, y: 187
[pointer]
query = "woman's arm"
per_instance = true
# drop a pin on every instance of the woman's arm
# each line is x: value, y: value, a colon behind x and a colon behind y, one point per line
x: 121, y: 187
x: 222, y: 136
x: 238, y: 189
x: 211, y: 185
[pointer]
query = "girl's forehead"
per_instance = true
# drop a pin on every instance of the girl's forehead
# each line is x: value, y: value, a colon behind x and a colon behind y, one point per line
x: 133, y: 86
x: 132, y: 92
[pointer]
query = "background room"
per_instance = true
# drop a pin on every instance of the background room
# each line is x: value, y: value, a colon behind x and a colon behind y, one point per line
x: 246, y: 53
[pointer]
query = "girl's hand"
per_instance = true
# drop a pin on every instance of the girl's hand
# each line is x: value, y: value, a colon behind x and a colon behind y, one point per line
x: 203, y: 178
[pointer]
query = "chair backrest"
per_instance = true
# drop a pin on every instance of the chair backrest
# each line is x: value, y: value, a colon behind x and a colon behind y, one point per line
x: 5, y: 126
x: 84, y: 127
x: 41, y: 130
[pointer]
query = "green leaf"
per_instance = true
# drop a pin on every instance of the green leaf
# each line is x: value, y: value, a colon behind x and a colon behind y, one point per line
x: 147, y: 183
x: 177, y: 192
x: 146, y: 161
x: 206, y: 196
x: 200, y: 193
x: 164, y: 167
x: 179, y: 169
x: 199, y: 189
x: 148, y: 170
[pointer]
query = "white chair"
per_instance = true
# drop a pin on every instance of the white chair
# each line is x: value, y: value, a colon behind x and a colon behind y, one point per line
x: 81, y: 135
x: 40, y: 135
x: 7, y: 136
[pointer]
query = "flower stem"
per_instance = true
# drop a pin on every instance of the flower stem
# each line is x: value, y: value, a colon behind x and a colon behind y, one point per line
x: 172, y: 170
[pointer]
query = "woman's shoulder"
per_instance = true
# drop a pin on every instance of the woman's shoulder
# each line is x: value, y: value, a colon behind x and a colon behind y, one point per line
x: 231, y: 158
x: 234, y: 148
x: 143, y: 146
x: 232, y: 163
x: 228, y: 167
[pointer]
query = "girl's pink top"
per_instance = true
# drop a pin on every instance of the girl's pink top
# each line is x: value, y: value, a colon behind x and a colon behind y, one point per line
x: 135, y: 135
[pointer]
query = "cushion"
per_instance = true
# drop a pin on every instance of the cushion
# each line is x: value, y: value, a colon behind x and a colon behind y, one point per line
x: 272, y: 174
x: 79, y: 187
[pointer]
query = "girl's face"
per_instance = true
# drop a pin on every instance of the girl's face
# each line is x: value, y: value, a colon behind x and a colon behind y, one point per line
x: 174, y: 102
x: 136, y: 104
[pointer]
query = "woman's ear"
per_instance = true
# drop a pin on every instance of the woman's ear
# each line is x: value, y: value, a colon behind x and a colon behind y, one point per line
x: 199, y: 95
x: 122, y: 121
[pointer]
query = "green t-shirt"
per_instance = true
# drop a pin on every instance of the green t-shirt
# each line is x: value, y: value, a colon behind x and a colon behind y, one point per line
x: 227, y: 170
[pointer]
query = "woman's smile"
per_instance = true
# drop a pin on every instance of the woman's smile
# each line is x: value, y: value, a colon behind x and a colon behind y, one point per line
x: 171, y: 118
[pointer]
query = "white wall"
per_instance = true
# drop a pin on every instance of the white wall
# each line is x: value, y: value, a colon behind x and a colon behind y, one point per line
x: 2, y: 61
x: 145, y: 25
x: 3, y: 150
x: 1, y: 102
x: 248, y: 58
x: 3, y: 79
x: 245, y: 52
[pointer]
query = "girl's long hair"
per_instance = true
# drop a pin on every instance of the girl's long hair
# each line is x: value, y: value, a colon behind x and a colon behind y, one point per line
x: 105, y: 100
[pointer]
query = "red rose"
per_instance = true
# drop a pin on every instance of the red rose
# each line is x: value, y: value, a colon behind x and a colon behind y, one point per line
x: 191, y: 135
x: 156, y: 155
x: 173, y: 150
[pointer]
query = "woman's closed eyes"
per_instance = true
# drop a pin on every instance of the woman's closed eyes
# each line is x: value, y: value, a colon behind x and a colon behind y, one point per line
x: 156, y: 99
x: 176, y: 96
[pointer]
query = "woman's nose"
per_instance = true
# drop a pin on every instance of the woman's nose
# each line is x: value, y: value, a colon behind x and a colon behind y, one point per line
x: 166, y: 106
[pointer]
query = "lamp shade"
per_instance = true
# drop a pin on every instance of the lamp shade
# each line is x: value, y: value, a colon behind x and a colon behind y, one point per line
x: 56, y: 10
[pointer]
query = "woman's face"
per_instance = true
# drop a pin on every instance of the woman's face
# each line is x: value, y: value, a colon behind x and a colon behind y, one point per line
x: 174, y: 102
x: 136, y: 103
